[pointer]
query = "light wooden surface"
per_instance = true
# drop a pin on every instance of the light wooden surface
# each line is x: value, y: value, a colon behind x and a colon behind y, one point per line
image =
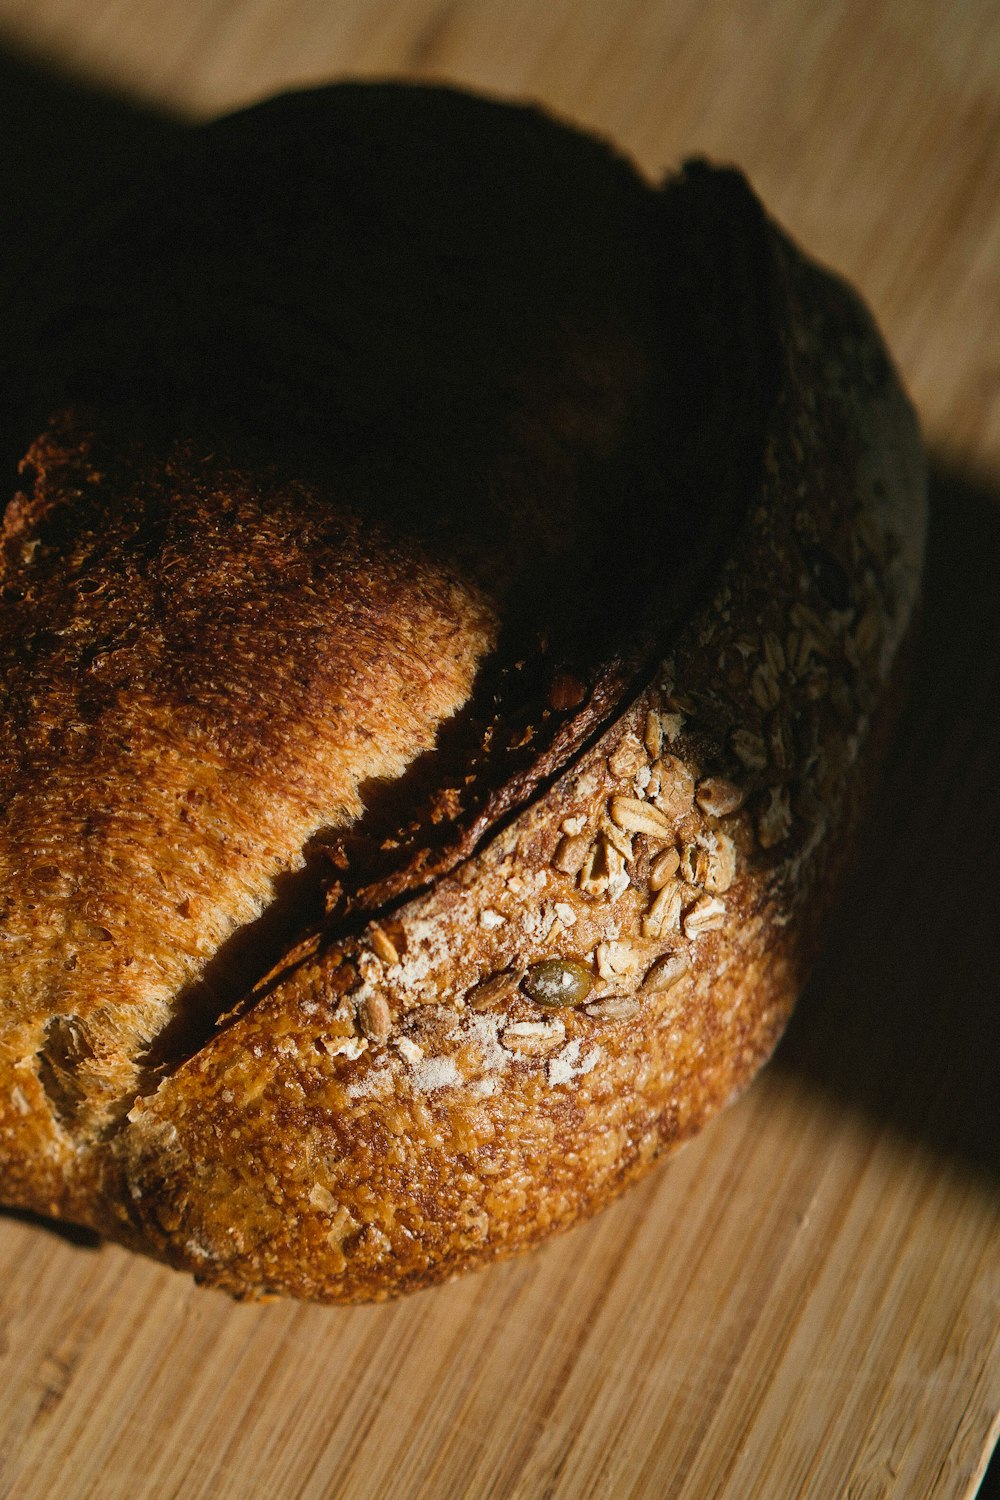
x: 806, y: 1302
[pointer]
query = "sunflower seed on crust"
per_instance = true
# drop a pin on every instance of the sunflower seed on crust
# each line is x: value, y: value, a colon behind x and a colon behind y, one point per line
x: 663, y: 868
x: 383, y: 945
x: 375, y: 1018
x: 613, y: 1008
x: 774, y: 653
x: 487, y: 992
x: 665, y: 973
x: 765, y: 688
x: 799, y: 647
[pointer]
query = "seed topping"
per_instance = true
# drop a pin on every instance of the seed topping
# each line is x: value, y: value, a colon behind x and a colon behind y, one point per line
x: 558, y: 982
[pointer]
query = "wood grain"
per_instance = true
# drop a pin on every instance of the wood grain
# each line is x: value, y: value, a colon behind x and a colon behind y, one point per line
x: 806, y: 1302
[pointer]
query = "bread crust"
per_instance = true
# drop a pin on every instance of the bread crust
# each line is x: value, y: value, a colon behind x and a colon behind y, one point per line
x: 406, y: 1097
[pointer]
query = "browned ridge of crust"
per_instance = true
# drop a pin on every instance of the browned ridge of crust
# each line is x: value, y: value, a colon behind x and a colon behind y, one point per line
x: 400, y: 438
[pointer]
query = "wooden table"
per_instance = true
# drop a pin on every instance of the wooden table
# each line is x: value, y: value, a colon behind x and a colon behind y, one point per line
x: 806, y: 1302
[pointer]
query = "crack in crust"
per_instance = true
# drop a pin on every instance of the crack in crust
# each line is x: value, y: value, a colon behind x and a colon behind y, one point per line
x: 574, y: 927
x: 186, y: 706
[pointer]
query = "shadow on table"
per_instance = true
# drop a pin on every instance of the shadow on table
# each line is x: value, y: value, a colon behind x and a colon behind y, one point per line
x: 64, y: 141
x: 902, y: 1017
x: 73, y: 1234
x: 65, y: 144
x: 62, y: 114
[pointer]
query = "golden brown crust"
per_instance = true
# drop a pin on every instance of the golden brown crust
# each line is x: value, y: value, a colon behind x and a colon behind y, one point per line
x: 403, y: 1098
x: 186, y: 706
x: 365, y: 1164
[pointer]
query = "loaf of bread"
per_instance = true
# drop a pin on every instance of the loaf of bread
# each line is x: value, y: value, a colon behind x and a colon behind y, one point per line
x: 452, y: 612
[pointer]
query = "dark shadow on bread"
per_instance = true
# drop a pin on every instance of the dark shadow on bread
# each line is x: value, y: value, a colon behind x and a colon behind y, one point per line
x: 902, y: 1017
x: 379, y: 293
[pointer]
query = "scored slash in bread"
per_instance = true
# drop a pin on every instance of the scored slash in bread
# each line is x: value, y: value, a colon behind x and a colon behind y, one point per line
x: 449, y: 631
